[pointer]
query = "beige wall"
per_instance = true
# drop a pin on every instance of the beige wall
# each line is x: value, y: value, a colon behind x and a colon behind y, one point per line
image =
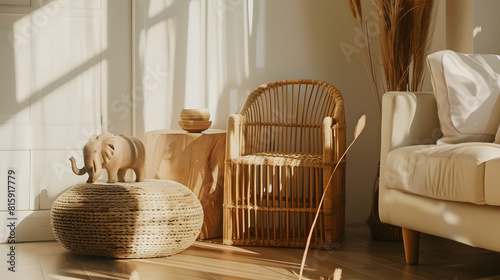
x: 212, y: 53
x: 460, y: 25
x: 486, y: 26
x: 472, y: 26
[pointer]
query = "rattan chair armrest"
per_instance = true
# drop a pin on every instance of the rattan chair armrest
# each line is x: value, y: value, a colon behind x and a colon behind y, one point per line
x: 338, y: 126
x: 338, y: 113
x: 234, y: 136
x: 327, y: 137
x: 333, y: 136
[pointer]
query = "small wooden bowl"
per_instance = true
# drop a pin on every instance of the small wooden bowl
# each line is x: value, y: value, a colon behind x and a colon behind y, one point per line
x: 195, y: 126
x: 195, y: 115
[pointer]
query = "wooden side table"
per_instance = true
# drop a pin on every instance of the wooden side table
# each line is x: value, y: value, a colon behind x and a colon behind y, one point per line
x: 195, y: 160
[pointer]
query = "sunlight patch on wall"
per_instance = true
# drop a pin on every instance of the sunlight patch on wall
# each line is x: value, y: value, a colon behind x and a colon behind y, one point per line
x: 250, y: 16
x: 20, y: 45
x: 260, y: 49
x: 247, y: 26
x: 476, y: 31
x: 69, y: 72
x: 155, y: 87
x: 195, y: 58
x: 216, y: 76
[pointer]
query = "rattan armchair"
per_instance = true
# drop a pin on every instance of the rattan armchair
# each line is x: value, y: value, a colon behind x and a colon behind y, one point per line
x: 281, y: 148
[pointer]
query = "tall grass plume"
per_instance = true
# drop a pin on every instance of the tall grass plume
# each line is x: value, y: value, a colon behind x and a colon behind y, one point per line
x: 405, y: 28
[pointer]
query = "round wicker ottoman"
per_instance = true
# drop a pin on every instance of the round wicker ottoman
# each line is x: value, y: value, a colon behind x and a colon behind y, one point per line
x: 149, y: 219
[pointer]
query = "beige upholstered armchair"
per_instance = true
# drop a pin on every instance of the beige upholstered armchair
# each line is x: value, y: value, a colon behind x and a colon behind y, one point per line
x: 440, y: 154
x: 281, y: 147
x: 448, y: 190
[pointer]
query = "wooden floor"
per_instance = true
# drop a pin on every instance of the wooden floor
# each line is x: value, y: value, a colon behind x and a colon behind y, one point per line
x: 359, y: 257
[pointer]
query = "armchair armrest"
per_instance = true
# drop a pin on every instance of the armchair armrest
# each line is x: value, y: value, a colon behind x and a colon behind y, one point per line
x: 407, y: 119
x: 234, y: 137
x: 333, y: 139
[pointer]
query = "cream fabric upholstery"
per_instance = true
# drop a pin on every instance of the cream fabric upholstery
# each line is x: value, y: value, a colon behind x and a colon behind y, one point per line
x: 453, y: 172
x: 411, y: 119
x: 492, y: 182
x: 497, y: 136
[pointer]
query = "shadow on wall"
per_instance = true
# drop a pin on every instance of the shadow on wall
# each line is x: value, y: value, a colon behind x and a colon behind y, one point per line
x: 10, y: 105
x: 18, y: 96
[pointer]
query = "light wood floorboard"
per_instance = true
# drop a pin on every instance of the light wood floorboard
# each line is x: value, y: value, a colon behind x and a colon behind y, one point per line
x: 358, y: 256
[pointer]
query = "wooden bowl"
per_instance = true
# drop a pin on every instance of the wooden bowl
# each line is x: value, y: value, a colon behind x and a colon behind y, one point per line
x: 195, y: 126
x: 195, y: 115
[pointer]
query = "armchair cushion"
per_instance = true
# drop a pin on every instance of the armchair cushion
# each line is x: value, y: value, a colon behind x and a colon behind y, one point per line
x: 466, y: 172
x: 467, y: 88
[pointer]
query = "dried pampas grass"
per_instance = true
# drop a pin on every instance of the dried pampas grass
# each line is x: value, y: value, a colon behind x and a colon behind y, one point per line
x: 404, y: 39
x: 356, y: 9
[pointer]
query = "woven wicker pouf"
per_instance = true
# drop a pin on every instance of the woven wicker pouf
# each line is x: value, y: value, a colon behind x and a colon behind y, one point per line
x: 149, y: 219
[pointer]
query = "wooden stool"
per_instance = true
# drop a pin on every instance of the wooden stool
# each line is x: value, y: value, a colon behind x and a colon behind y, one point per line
x: 195, y: 160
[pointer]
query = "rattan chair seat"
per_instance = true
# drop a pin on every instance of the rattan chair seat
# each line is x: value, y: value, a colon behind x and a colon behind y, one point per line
x: 282, y: 159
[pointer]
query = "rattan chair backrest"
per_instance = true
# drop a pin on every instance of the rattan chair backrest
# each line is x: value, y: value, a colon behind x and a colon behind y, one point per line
x: 286, y: 116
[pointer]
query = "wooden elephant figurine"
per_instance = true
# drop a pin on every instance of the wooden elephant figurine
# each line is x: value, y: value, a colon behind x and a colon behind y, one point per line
x: 116, y: 154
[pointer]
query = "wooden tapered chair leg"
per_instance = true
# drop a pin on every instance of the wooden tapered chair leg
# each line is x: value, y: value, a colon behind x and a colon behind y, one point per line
x: 411, y: 240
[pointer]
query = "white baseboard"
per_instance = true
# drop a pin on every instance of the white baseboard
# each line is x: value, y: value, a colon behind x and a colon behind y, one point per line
x: 25, y: 226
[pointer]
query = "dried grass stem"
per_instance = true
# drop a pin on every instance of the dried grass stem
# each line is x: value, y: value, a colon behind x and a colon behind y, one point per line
x: 404, y: 39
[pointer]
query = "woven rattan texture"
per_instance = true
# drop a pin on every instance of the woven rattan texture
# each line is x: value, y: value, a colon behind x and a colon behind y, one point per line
x: 281, y: 159
x: 147, y: 219
x: 281, y: 148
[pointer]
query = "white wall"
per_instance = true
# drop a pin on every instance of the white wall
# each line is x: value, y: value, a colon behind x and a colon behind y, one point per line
x: 212, y: 53
x: 60, y: 63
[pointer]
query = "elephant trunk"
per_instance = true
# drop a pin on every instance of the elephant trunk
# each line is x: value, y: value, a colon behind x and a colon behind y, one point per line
x: 96, y: 170
x: 77, y: 170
